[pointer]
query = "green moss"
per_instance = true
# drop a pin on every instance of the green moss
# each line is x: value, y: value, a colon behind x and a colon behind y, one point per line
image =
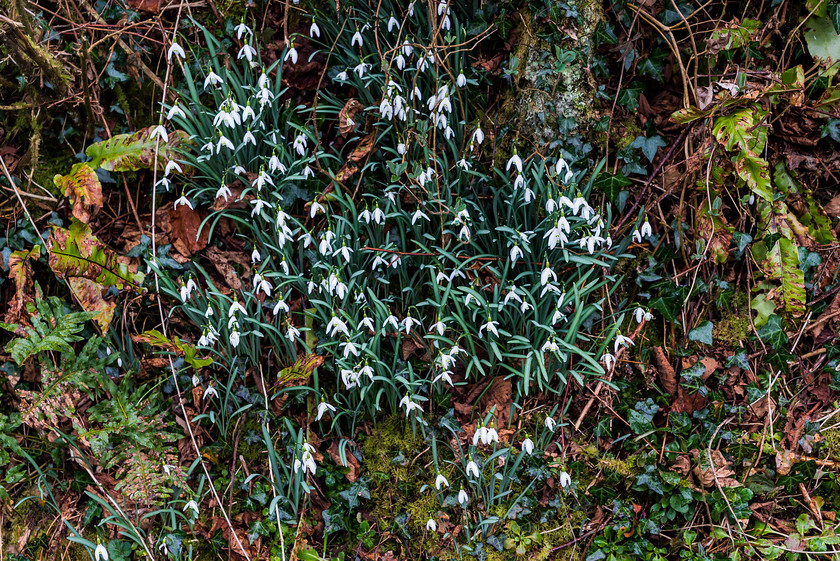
x: 831, y: 443
x: 731, y: 330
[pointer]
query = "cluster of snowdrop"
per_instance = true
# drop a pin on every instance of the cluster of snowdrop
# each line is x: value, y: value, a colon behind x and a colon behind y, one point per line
x: 424, y: 247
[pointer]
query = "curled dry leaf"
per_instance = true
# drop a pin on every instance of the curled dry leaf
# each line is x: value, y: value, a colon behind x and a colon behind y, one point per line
x: 347, y: 117
x: 20, y: 271
x: 715, y: 472
x: 89, y: 295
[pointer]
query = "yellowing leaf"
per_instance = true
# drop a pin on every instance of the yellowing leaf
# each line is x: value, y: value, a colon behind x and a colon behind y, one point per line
x: 782, y: 264
x: 130, y: 152
x: 83, y: 188
x: 89, y: 295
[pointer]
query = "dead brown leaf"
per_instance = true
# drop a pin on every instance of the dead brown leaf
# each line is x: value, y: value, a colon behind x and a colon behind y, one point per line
x: 89, y: 295
x: 347, y: 120
x: 224, y: 261
x: 715, y: 472
x: 667, y: 375
x: 20, y: 271
x: 352, y: 463
x: 185, y: 224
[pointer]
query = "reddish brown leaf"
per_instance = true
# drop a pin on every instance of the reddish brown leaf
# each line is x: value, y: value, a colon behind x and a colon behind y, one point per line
x: 89, y: 295
x: 348, y: 116
x: 185, y: 223
x: 82, y: 186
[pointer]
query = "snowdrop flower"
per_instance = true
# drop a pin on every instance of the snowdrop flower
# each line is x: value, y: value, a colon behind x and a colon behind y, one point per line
x: 514, y: 161
x: 258, y: 205
x: 248, y: 138
x: 314, y: 30
x: 391, y: 320
x: 490, y: 326
x: 164, y: 181
x: 210, y: 391
x: 335, y: 325
x: 637, y: 236
x: 438, y: 326
x: 242, y: 29
x: 621, y: 340
x: 440, y: 481
x: 608, y: 360
x: 183, y: 200
x: 159, y: 131
x: 550, y: 423
x: 461, y: 80
x: 323, y: 407
x: 445, y: 376
x: 292, y: 332
x: 234, y: 341
x: 478, y: 136
x: 646, y: 230
x: 546, y: 274
x: 418, y: 214
x: 170, y: 165
x: 341, y: 76
x: 291, y: 54
x: 560, y: 167
x: 409, y: 407
x: 224, y: 142
x: 186, y: 290
x: 472, y: 468
x: 357, y: 38
x: 344, y: 251
x: 255, y: 256
x: 175, y: 110
x: 393, y: 22
x: 300, y: 144
x: 102, y: 554
x: 367, y: 323
x: 407, y: 49
x: 248, y: 52
x: 463, y: 498
x: 377, y: 215
x: 400, y: 61
x: 212, y: 79
x: 487, y: 435
x: 565, y: 479
x: 401, y: 149
x: 175, y: 49
x: 191, y: 505
x: 515, y: 253
x: 348, y: 348
x: 408, y: 322
x: 528, y: 446
x: 307, y: 460
x: 550, y: 346
x: 431, y: 526
x: 280, y: 306
x: 642, y: 315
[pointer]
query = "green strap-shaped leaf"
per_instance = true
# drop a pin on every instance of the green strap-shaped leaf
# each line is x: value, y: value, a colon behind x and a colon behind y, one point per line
x: 131, y: 152
x: 76, y: 252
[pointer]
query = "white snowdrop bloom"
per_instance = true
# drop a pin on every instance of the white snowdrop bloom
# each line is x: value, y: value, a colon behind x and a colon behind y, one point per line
x: 478, y: 136
x: 101, y: 554
x: 446, y: 23
x: 307, y: 460
x: 556, y: 235
x: 646, y: 230
x: 236, y: 307
x: 515, y: 161
x: 546, y: 274
x: 578, y: 204
x: 515, y: 253
x: 621, y: 341
x: 563, y: 168
x: 392, y: 23
x: 341, y: 76
x: 463, y: 498
x: 291, y: 54
x: 191, y: 505
x: 557, y: 316
x: 565, y: 479
x: 411, y: 9
x: 464, y: 234
x: 249, y: 138
x: 248, y: 113
x: 264, y: 96
x: 464, y: 164
x: 550, y: 346
x: 472, y: 469
x: 212, y: 79
x: 378, y: 216
x: 528, y: 446
x: 489, y: 436
x: 170, y: 165
x: 431, y: 526
x: 418, y: 214
x: 224, y: 142
x: 407, y: 49
x: 234, y: 340
x: 360, y: 69
x: 262, y: 82
x: 247, y: 51
x: 242, y: 29
x: 159, y: 132
x: 446, y: 376
x: 323, y: 407
x: 344, y: 251
x: 448, y: 133
x: 210, y: 391
x: 163, y: 181
x: 399, y: 60
x: 177, y: 50
x: 307, y: 172
x: 637, y: 236
x: 461, y: 80
x: 186, y: 290
x: 401, y: 149
x: 409, y: 322
x: 639, y: 314
x: 258, y: 206
x: 314, y: 30
x: 315, y: 209
x: 550, y: 423
x: 608, y: 360
x: 410, y: 406
x: 280, y: 306
x: 348, y: 348
x: 392, y: 321
x: 292, y: 332
x: 441, y: 481
x: 300, y: 144
x: 357, y: 39
x: 183, y: 200
x: 261, y: 284
x: 367, y: 323
x: 335, y: 325
x: 175, y: 110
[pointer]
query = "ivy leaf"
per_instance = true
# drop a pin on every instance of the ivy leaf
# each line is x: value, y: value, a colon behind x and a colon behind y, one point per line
x: 649, y: 145
x: 612, y: 185
x: 702, y: 333
x: 773, y: 334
